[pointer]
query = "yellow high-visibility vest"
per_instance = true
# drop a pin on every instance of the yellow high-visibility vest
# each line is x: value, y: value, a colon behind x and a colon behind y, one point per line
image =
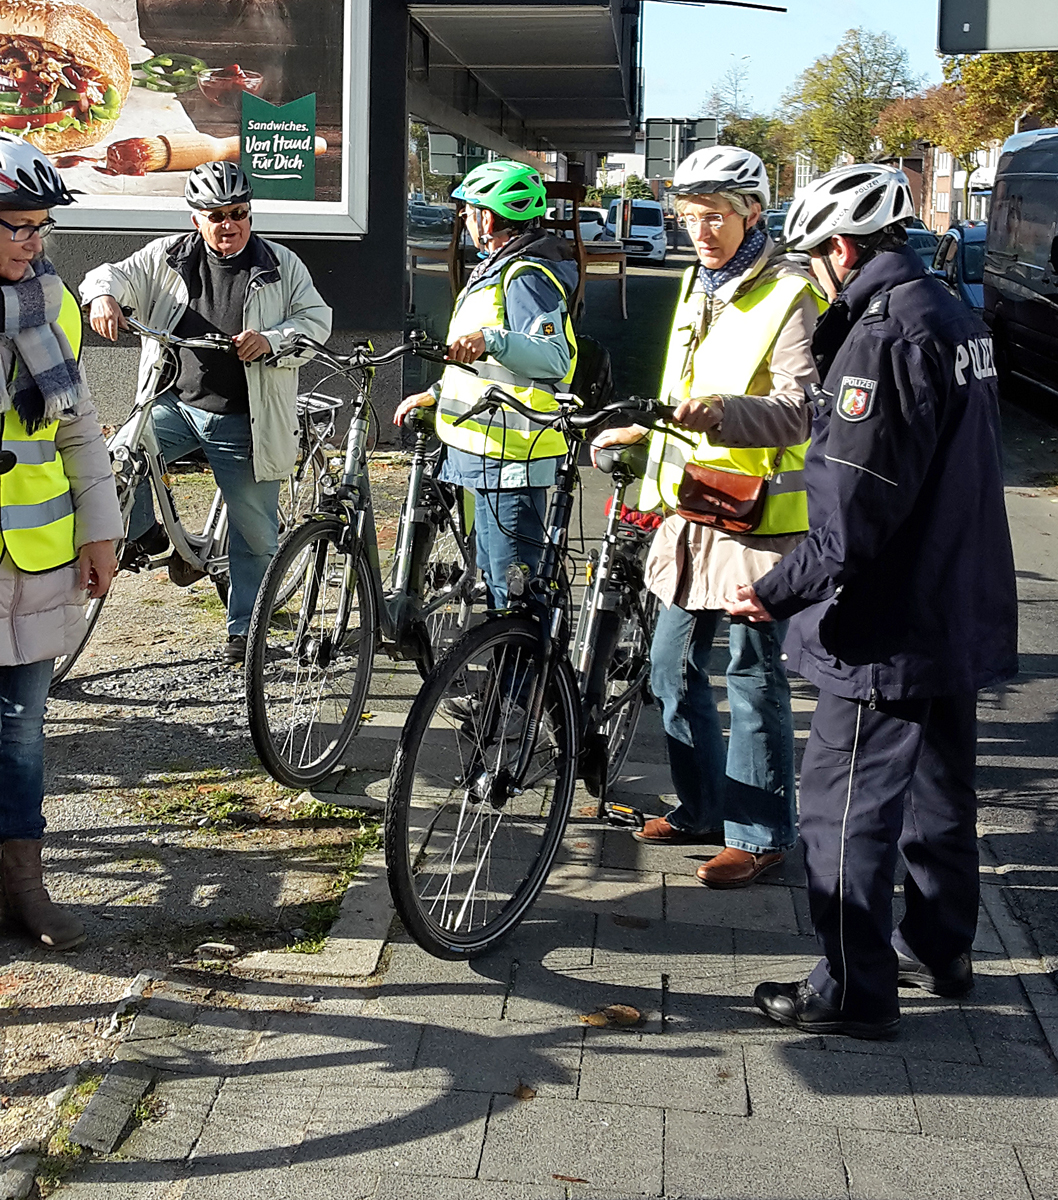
x: 726, y: 362
x: 36, y: 507
x: 504, y: 434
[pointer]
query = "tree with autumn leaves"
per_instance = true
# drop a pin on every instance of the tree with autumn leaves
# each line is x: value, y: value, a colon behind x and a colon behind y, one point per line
x: 982, y: 100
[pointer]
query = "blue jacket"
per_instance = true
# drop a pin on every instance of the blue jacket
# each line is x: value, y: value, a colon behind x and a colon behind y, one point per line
x: 905, y: 585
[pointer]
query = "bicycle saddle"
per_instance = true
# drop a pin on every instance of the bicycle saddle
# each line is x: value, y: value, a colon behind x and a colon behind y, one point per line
x: 633, y: 458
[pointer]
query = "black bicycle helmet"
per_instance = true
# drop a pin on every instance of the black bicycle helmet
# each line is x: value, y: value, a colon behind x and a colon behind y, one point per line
x: 214, y: 184
x: 27, y: 178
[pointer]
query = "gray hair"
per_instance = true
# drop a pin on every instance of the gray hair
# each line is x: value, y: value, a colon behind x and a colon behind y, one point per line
x: 739, y: 201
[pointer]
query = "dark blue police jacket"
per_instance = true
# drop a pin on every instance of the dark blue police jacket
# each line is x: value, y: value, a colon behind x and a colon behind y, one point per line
x: 904, y: 586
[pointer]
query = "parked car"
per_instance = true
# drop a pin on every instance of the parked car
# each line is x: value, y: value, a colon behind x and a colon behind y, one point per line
x: 429, y: 220
x: 916, y: 223
x: 959, y: 261
x: 592, y: 222
x: 645, y: 238
x: 1020, y: 283
x: 924, y: 244
x: 775, y: 220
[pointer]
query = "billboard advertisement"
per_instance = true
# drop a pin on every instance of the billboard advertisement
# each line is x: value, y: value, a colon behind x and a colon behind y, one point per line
x: 127, y: 96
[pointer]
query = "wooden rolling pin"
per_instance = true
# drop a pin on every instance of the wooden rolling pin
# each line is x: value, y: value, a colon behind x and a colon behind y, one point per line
x: 175, y: 152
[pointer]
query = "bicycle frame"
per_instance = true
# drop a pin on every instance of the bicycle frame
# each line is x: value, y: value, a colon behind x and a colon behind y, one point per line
x: 138, y: 458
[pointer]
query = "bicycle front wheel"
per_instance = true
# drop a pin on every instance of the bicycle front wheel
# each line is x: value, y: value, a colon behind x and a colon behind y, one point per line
x: 309, y: 654
x: 64, y: 664
x: 470, y: 837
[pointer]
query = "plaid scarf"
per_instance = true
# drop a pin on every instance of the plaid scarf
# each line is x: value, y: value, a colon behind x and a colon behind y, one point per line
x: 744, y: 257
x: 49, y: 379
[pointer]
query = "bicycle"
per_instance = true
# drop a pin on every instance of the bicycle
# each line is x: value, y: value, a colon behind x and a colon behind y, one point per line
x: 324, y: 609
x: 488, y: 759
x: 137, y: 460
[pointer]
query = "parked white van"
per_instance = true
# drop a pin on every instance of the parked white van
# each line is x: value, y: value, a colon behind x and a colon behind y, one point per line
x: 646, y: 237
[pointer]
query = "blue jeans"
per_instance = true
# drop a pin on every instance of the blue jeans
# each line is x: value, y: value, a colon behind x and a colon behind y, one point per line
x: 253, y: 507
x: 509, y: 527
x: 750, y: 789
x: 23, y: 694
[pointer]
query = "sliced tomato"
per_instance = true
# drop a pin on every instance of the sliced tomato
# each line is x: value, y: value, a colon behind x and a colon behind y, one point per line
x: 35, y: 120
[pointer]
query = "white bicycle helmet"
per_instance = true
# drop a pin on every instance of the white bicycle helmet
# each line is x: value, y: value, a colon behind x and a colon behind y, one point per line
x: 856, y: 201
x: 27, y: 178
x: 722, y: 169
x: 217, y: 183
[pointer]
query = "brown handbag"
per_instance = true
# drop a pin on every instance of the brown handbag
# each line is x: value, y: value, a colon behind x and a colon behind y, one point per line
x: 725, y: 500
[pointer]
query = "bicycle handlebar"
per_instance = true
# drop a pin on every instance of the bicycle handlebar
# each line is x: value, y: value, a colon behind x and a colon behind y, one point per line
x: 569, y: 412
x: 360, y: 357
x: 207, y: 341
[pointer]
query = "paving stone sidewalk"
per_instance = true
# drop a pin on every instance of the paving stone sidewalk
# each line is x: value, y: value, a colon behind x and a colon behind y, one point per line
x: 429, y: 1080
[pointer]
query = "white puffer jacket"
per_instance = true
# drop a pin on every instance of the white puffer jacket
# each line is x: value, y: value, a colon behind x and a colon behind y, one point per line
x: 42, y: 616
x: 281, y: 300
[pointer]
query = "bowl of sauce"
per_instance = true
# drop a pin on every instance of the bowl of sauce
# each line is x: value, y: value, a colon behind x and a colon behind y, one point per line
x: 225, y: 85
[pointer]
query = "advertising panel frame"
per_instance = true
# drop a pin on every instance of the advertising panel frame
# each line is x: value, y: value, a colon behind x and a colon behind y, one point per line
x: 340, y: 219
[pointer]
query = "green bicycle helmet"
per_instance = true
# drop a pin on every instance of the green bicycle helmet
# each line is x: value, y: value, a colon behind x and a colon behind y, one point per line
x: 510, y: 189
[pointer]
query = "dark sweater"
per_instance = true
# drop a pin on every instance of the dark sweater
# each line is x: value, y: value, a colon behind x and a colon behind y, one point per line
x: 211, y: 379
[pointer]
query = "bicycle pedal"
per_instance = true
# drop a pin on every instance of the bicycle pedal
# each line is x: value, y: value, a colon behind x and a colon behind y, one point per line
x: 623, y: 816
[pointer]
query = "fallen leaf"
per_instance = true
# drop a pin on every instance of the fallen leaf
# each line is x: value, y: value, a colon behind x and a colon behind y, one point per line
x: 595, y: 1018
x: 589, y: 810
x: 367, y: 716
x: 630, y: 922
x: 622, y: 1014
x: 570, y: 1179
x: 522, y: 1092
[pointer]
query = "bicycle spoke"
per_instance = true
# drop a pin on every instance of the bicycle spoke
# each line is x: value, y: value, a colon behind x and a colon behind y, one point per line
x: 469, y: 831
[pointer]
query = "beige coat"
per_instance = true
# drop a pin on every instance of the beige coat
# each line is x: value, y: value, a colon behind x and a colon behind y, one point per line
x: 42, y: 616
x: 695, y: 566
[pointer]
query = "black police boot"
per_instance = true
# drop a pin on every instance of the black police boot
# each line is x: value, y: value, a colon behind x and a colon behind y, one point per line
x: 956, y: 979
x: 801, y: 1006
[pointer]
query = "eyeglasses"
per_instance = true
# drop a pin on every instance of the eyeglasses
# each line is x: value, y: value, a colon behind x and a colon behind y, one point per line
x: 714, y: 220
x: 22, y: 233
x: 234, y: 214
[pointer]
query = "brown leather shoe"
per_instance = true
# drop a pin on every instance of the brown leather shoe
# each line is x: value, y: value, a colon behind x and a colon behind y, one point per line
x: 659, y: 832
x: 736, y: 868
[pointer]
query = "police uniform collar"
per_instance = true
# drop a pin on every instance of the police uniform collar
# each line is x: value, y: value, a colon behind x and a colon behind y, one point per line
x: 881, y: 273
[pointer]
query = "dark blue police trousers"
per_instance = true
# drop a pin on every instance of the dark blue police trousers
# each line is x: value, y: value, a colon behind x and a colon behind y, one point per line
x: 875, y: 783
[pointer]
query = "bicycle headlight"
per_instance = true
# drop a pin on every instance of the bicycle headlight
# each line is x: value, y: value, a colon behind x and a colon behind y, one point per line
x: 328, y: 485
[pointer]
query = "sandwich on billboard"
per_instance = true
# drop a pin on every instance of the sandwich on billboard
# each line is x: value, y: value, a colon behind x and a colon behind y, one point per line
x: 127, y: 96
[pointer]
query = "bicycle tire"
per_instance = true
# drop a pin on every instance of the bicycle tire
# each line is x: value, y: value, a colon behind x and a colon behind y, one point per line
x: 64, y: 663
x: 433, y: 817
x: 306, y: 678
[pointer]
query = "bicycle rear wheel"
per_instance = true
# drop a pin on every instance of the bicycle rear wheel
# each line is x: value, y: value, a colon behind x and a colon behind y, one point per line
x: 309, y: 656
x: 627, y: 680
x: 449, y: 575
x: 469, y: 844
x: 298, y: 497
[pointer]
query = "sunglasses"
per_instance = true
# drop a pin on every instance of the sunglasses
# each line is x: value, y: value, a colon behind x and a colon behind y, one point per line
x: 22, y: 233
x: 235, y: 214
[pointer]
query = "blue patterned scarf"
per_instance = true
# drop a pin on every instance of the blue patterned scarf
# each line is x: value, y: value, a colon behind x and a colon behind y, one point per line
x: 744, y: 257
x: 49, y: 379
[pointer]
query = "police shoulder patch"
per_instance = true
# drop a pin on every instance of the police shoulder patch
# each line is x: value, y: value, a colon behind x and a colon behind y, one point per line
x: 856, y: 398
x: 549, y: 327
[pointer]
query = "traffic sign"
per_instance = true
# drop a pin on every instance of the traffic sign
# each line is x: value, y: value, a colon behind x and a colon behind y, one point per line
x: 671, y: 139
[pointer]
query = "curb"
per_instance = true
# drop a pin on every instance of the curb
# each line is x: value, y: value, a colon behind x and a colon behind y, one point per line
x: 1024, y: 956
x: 355, y: 942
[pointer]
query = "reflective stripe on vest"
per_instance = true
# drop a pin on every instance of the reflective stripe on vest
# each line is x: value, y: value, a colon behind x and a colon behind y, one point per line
x: 726, y: 362
x: 504, y: 434
x: 36, y: 505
